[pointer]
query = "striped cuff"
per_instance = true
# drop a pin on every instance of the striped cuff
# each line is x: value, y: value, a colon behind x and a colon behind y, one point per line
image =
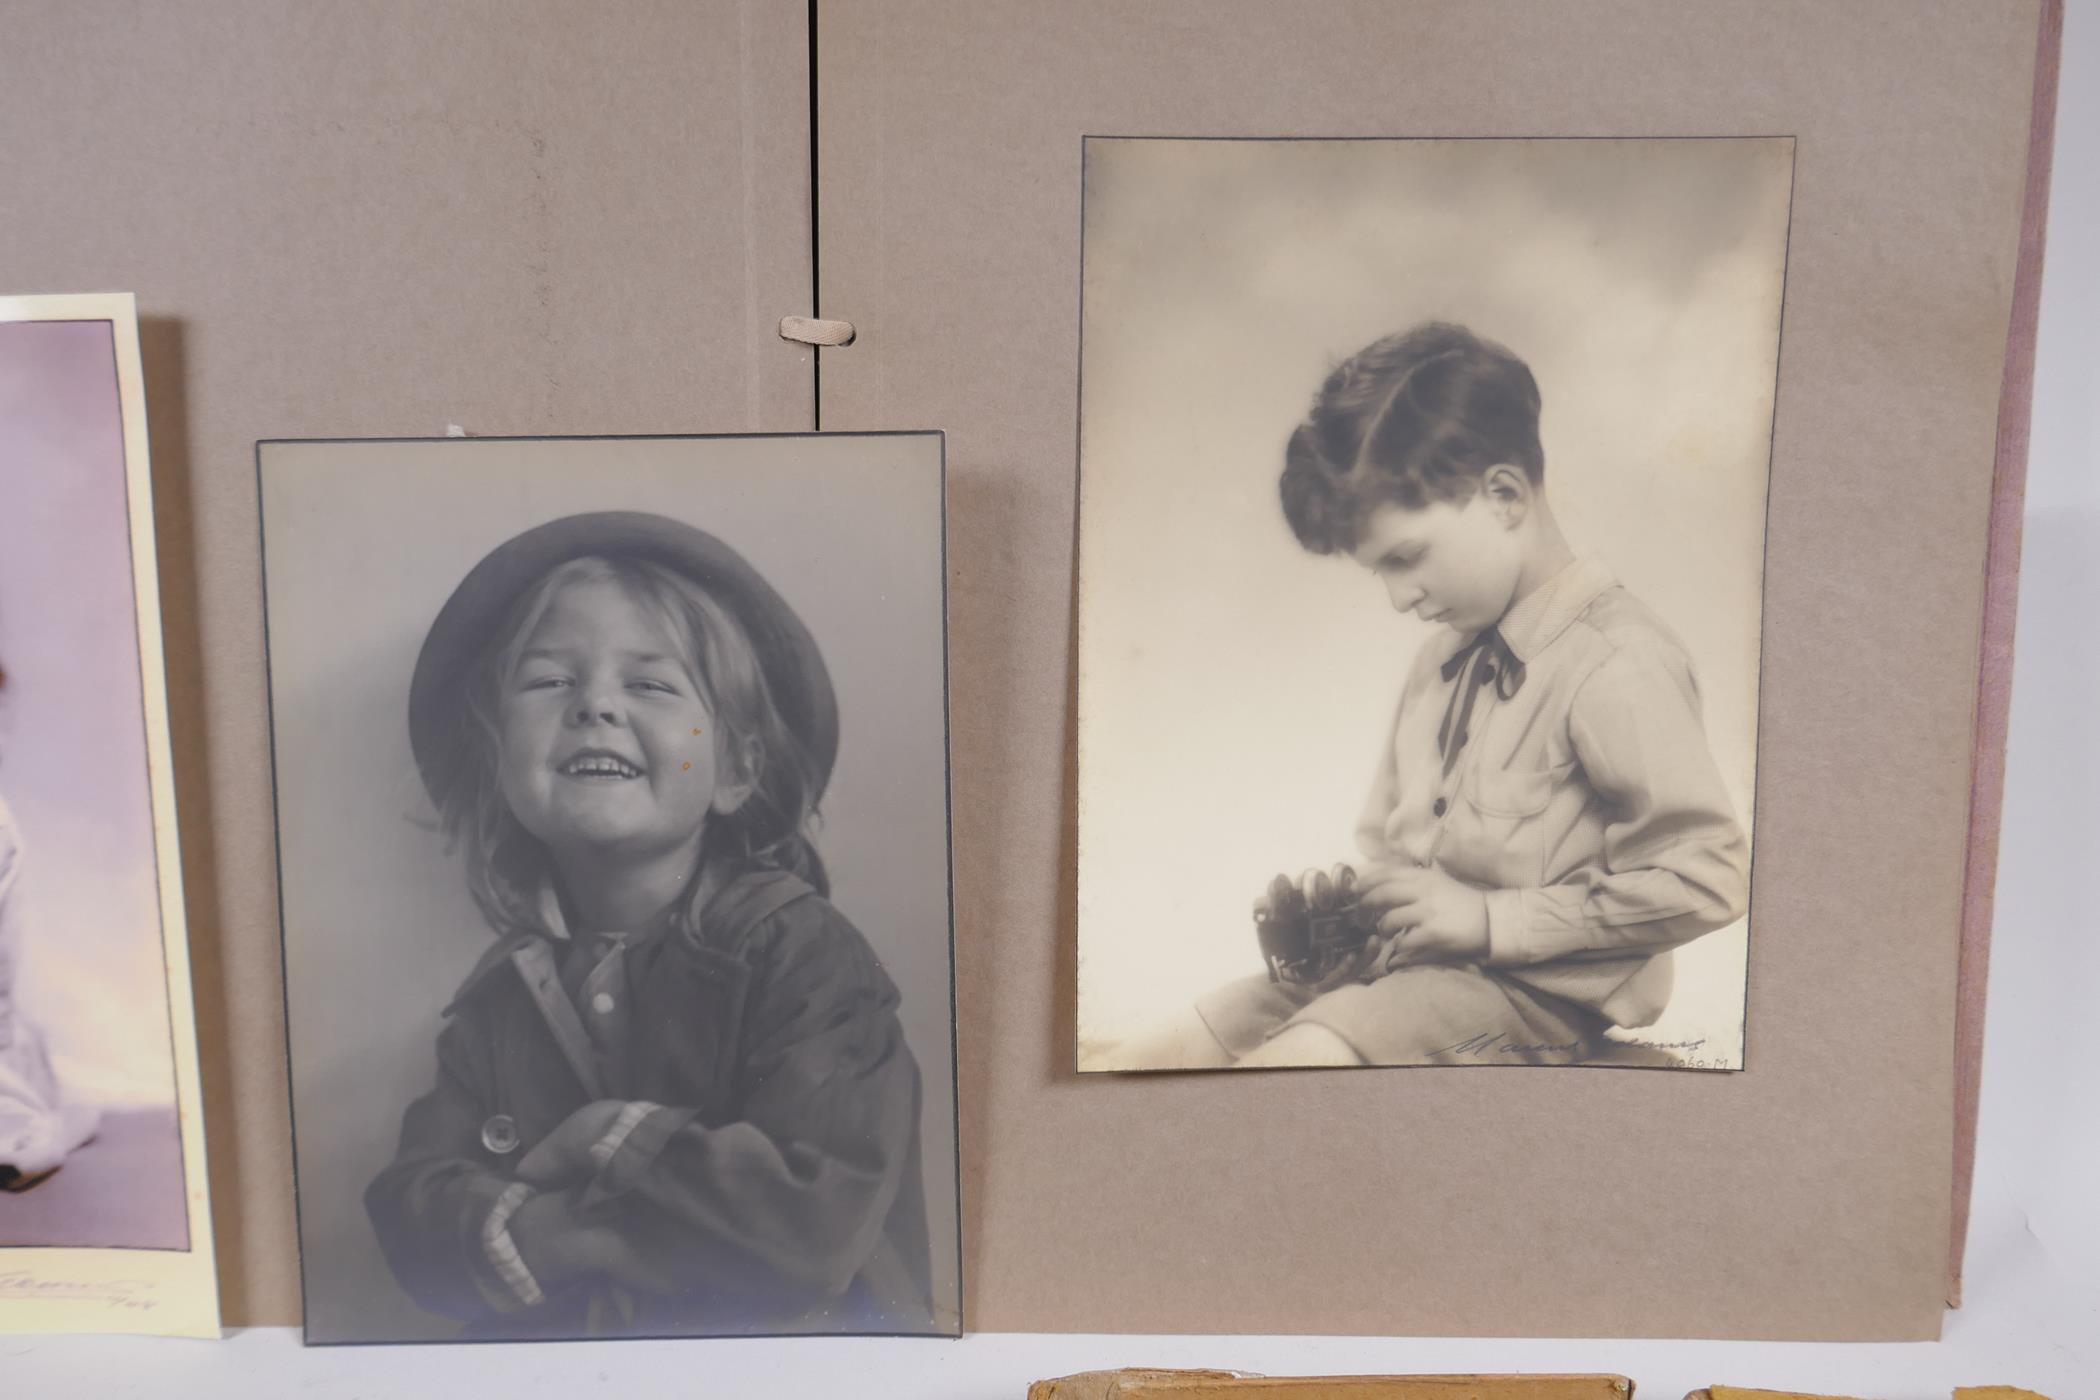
x: 502, y: 1251
x: 630, y: 1149
x: 628, y: 1120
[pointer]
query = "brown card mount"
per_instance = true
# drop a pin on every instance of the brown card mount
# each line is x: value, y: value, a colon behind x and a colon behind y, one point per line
x: 1813, y: 1195
x: 537, y: 221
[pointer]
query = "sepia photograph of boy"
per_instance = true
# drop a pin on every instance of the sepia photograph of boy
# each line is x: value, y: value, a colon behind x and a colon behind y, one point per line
x: 1518, y: 393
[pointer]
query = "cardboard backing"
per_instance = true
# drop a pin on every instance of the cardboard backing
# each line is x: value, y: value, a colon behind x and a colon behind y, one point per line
x: 1809, y: 1196
x: 382, y: 218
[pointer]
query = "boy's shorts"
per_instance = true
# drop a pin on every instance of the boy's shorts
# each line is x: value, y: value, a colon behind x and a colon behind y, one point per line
x: 1428, y: 1014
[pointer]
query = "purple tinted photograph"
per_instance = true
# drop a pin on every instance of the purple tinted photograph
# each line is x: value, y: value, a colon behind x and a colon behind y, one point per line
x: 91, y: 1143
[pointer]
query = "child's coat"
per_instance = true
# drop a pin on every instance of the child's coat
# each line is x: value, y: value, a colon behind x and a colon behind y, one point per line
x: 780, y: 1181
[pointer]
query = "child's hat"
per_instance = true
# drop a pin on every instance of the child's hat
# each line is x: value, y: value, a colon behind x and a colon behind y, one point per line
x: 794, y: 668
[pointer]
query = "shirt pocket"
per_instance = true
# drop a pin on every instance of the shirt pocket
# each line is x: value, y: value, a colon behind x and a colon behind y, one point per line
x: 1512, y: 792
x: 1497, y: 836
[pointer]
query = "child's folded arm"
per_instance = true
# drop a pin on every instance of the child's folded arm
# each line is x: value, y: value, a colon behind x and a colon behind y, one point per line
x: 801, y: 1185
x: 432, y: 1206
x: 1676, y: 861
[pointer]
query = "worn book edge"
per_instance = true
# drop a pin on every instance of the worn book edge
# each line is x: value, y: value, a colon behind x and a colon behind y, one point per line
x: 1966, y: 1392
x: 1140, y: 1383
x: 1097, y: 1385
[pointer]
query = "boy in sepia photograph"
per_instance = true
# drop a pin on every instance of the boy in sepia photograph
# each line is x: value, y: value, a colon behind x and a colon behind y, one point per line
x: 1464, y: 448
x: 1546, y: 821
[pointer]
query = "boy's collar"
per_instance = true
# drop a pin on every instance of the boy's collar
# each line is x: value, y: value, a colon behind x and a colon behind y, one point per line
x: 554, y: 928
x: 554, y: 920
x: 1539, y: 616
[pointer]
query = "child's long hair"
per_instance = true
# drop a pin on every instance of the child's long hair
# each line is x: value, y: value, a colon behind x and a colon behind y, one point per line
x: 774, y: 827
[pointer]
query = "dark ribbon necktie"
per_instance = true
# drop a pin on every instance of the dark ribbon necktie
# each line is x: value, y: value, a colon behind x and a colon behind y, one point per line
x: 1486, y: 660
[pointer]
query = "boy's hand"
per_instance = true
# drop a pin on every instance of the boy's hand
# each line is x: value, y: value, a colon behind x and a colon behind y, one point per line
x: 560, y: 1246
x: 564, y: 1155
x: 1428, y: 916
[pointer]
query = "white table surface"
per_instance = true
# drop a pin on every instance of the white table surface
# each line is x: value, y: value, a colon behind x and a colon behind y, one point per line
x: 2032, y: 1315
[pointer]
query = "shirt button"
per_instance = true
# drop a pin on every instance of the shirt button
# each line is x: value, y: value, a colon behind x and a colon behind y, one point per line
x: 602, y: 1003
x: 500, y: 1135
x: 1439, y: 807
x: 1487, y: 672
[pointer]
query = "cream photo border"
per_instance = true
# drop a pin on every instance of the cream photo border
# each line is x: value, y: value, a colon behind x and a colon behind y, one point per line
x: 167, y: 1292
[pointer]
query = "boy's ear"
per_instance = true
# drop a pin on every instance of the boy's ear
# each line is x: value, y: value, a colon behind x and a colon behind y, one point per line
x: 739, y: 776
x: 1508, y: 491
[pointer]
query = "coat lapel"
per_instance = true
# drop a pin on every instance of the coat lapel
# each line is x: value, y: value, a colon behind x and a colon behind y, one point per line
x: 535, y: 964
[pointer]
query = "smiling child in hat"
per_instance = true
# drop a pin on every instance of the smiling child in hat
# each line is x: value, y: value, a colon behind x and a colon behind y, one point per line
x: 674, y: 1098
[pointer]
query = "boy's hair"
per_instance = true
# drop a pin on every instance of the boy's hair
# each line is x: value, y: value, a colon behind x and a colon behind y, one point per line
x: 773, y: 827
x: 1409, y: 420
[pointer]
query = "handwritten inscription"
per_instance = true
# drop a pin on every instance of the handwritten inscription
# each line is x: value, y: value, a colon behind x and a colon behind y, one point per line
x: 119, y: 1295
x: 1690, y: 1053
x: 1497, y: 1043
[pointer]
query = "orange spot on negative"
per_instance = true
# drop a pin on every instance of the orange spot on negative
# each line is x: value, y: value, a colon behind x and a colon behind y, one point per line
x: 689, y: 765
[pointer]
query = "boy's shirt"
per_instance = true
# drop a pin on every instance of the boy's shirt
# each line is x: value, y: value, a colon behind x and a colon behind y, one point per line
x: 1577, y: 789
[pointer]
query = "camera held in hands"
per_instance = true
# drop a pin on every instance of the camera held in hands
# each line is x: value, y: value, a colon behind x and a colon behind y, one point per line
x: 1311, y: 928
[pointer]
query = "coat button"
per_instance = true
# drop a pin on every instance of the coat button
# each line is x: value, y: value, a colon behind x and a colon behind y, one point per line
x: 602, y: 1003
x: 500, y: 1135
x: 1440, y: 807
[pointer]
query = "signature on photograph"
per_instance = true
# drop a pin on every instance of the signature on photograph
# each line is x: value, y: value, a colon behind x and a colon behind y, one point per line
x: 126, y: 1295
x: 1691, y: 1051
